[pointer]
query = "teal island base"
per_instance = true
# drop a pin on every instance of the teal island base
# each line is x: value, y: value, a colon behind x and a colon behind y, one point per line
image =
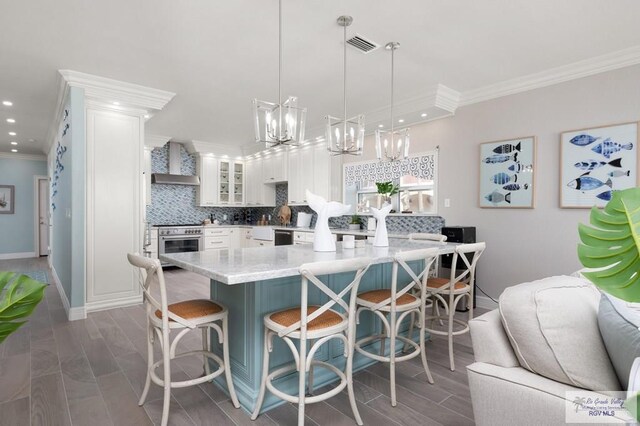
x: 249, y: 302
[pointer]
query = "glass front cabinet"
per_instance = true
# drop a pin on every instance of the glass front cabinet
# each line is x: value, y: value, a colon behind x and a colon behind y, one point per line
x: 231, y: 183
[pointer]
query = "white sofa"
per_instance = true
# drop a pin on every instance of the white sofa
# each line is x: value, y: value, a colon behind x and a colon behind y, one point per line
x: 525, y: 365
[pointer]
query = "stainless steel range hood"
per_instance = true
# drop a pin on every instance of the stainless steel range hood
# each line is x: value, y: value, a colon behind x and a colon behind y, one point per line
x: 175, y: 163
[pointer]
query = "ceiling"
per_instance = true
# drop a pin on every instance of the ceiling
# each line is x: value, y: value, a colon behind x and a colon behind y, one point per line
x: 218, y: 55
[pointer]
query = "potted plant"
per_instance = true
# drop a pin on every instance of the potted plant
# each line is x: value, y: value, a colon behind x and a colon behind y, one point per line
x: 354, y: 224
x: 611, y: 249
x: 387, y: 190
x: 19, y: 296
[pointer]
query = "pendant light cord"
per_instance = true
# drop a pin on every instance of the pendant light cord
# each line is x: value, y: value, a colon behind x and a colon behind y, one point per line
x: 344, y: 88
x: 280, y: 68
x: 392, y: 67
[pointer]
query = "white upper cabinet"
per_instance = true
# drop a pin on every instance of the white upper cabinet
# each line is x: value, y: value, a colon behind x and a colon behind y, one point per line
x: 274, y: 167
x: 207, y: 169
x: 257, y: 193
x: 312, y: 167
x: 147, y: 175
x: 231, y: 183
x: 301, y: 174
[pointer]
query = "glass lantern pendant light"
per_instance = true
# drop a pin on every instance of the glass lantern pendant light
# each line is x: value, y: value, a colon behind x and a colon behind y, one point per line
x: 345, y: 136
x: 279, y: 123
x: 392, y: 145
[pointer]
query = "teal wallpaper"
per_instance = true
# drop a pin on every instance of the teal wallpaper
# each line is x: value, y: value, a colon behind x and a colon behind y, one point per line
x: 18, y: 231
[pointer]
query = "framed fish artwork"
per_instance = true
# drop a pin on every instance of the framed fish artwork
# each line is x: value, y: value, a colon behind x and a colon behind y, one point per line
x: 507, y: 173
x: 595, y: 162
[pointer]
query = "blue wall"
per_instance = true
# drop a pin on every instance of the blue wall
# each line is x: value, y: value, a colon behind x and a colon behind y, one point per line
x: 18, y: 231
x: 67, y: 199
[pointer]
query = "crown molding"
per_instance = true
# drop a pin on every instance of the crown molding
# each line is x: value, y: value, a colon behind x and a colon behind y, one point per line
x: 215, y: 148
x: 155, y: 141
x: 108, y: 90
x: 596, y: 65
x: 17, y: 156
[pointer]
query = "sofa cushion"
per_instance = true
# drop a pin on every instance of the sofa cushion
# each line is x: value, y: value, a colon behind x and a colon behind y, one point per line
x: 552, y: 325
x: 619, y: 329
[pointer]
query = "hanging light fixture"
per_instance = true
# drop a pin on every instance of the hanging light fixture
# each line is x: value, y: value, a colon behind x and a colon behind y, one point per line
x: 345, y: 136
x: 392, y: 145
x: 279, y: 123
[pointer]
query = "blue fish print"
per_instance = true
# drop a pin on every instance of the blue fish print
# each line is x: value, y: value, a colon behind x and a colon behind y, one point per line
x: 498, y: 197
x: 583, y: 140
x: 618, y: 173
x: 608, y: 147
x: 500, y: 158
x: 605, y: 196
x: 502, y: 178
x: 587, y: 183
x: 594, y: 164
x: 519, y: 167
x: 507, y: 148
x: 515, y: 187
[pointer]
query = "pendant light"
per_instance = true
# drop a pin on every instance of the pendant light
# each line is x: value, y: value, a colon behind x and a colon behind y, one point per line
x: 392, y: 145
x: 279, y: 123
x: 345, y: 136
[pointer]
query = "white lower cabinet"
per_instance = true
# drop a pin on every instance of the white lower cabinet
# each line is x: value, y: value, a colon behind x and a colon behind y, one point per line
x: 222, y: 238
x: 260, y: 243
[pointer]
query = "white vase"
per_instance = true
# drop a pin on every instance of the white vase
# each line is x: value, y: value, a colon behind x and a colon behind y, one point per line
x: 381, y: 238
x: 322, y: 237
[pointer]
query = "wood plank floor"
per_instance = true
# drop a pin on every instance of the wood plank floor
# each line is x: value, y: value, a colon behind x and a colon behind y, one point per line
x: 91, y: 372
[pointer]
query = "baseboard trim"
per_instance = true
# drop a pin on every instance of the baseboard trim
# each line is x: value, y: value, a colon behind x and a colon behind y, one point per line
x: 485, y: 302
x: 111, y: 304
x: 73, y: 314
x: 25, y: 255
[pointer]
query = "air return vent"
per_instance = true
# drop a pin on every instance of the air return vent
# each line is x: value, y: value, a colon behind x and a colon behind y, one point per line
x: 362, y: 44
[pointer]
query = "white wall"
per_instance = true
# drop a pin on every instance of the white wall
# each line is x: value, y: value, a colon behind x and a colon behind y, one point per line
x: 522, y: 245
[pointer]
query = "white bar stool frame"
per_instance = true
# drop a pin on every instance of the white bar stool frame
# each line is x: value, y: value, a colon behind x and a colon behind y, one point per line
x: 398, y: 312
x: 161, y: 328
x: 449, y: 295
x: 303, y: 358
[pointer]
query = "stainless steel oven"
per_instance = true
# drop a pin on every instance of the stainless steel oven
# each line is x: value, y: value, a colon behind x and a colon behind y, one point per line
x: 179, y: 239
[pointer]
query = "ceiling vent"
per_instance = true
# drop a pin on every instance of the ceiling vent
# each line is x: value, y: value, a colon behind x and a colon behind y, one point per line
x: 362, y: 44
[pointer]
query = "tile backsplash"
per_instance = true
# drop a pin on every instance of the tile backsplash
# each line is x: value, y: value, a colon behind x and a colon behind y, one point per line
x: 176, y: 204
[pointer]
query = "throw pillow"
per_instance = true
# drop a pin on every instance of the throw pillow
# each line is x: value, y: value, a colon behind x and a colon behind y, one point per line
x: 619, y: 329
x: 552, y: 325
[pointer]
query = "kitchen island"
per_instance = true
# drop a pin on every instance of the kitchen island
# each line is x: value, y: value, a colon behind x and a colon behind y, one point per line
x: 253, y: 282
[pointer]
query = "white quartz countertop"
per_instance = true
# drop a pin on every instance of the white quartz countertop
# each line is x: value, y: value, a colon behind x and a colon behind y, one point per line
x: 236, y: 266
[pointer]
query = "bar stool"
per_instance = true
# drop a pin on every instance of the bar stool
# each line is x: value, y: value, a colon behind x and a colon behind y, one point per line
x: 319, y: 323
x: 449, y: 292
x: 398, y: 304
x: 183, y: 317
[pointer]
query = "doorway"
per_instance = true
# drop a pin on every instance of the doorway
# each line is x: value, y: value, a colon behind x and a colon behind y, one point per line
x: 42, y: 215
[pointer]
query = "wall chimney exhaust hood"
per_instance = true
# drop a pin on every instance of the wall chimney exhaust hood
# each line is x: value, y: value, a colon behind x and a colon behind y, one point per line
x: 175, y: 163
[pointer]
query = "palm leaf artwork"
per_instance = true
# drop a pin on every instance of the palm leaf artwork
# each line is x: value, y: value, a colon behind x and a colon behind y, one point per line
x: 19, y: 296
x: 612, y: 246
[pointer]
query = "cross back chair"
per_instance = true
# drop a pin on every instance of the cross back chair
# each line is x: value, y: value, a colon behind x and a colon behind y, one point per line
x: 398, y: 303
x: 182, y: 317
x: 449, y: 291
x: 314, y: 323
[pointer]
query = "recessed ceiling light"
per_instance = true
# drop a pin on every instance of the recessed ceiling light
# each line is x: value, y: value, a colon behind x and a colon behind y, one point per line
x: 147, y: 116
x: 116, y: 103
x: 12, y: 133
x: 381, y: 125
x: 401, y: 120
x: 14, y: 150
x: 424, y: 114
x: 11, y: 120
x: 7, y: 103
x: 14, y: 143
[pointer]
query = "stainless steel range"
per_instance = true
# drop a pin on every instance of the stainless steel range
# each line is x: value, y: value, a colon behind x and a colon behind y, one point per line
x: 179, y: 239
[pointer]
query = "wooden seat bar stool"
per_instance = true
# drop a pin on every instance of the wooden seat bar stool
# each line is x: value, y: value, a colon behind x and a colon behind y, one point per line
x: 449, y: 291
x: 183, y: 317
x: 318, y: 324
x: 398, y: 303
